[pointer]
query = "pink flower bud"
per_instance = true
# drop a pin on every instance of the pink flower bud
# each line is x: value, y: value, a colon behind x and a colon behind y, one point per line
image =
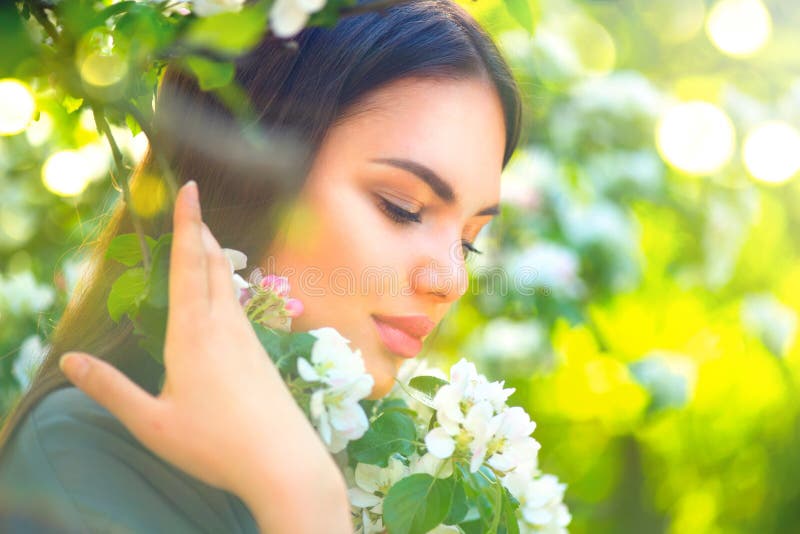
x: 244, y: 296
x: 293, y: 307
x: 277, y: 284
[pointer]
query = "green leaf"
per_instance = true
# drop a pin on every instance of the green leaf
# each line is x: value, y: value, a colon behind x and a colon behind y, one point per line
x: 392, y: 432
x: 126, y: 249
x: 497, y: 505
x: 15, y: 41
x: 151, y: 326
x: 127, y: 292
x: 428, y: 385
x: 481, y: 491
x: 71, y: 104
x: 211, y: 74
x: 133, y: 126
x: 417, y: 503
x: 472, y: 527
x: 284, y: 348
x: 158, y: 294
x: 301, y: 343
x: 229, y: 33
x: 509, y: 525
x: 522, y: 12
x: 458, y: 508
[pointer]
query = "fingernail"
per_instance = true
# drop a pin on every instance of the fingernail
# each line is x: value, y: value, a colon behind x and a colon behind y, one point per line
x: 192, y: 195
x: 73, y: 365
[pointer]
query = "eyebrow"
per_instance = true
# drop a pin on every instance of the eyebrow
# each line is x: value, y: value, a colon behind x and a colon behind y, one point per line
x: 442, y: 189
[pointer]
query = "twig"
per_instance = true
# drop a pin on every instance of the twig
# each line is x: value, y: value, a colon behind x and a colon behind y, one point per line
x: 37, y: 10
x: 102, y: 124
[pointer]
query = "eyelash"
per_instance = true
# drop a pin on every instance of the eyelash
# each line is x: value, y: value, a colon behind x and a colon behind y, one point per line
x: 401, y: 216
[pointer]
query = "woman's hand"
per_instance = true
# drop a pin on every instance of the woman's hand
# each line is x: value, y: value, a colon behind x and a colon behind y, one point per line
x: 224, y: 414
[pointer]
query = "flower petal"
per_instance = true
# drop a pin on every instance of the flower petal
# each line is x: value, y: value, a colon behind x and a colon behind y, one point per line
x: 439, y: 443
x: 287, y: 18
x: 368, y: 477
x: 362, y: 499
x: 238, y: 260
x: 294, y: 307
x: 307, y: 371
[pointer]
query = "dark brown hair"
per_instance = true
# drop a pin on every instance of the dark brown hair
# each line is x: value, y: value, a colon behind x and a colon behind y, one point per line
x: 301, y: 86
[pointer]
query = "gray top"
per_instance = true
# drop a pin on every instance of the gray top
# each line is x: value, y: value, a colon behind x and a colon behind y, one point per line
x: 74, y: 462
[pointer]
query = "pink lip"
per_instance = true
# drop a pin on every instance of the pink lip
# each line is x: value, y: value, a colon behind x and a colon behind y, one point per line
x: 402, y: 334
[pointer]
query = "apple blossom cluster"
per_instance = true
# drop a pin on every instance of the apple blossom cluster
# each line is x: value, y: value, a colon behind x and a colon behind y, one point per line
x: 474, y: 422
x: 466, y: 421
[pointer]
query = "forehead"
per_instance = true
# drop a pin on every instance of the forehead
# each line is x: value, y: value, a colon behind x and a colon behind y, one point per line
x: 454, y: 127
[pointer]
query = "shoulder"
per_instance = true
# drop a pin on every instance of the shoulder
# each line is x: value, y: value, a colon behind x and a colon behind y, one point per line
x: 72, y: 453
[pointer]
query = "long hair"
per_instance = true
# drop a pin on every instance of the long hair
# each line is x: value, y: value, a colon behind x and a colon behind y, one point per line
x: 303, y: 86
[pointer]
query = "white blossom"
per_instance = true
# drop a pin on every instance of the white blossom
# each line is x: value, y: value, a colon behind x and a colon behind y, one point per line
x: 541, y: 507
x: 288, y: 17
x: 23, y: 295
x: 335, y: 408
x: 474, y: 420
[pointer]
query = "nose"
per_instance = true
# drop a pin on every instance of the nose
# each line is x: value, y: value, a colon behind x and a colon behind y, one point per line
x: 440, y: 271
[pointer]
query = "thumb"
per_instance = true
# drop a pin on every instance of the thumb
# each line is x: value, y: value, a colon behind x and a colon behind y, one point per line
x: 109, y: 387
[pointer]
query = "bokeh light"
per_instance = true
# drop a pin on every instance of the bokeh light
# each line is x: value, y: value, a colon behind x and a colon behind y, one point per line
x: 103, y: 70
x: 771, y: 152
x: 696, y: 137
x: 739, y: 27
x: 148, y: 195
x: 17, y: 106
x: 40, y: 130
x: 592, y: 43
x: 64, y: 175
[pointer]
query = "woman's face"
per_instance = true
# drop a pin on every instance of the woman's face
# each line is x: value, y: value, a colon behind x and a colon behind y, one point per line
x: 410, y: 173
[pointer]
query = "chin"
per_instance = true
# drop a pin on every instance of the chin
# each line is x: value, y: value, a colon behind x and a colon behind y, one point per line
x: 383, y: 385
x: 383, y: 372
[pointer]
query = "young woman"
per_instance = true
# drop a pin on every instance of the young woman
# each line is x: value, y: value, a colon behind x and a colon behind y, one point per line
x: 410, y: 116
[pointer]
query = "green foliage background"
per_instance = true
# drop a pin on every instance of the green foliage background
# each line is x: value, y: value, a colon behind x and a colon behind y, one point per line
x: 654, y: 343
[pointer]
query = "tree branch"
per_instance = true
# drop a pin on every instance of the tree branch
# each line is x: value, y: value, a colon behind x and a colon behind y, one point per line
x: 38, y: 12
x: 103, y: 126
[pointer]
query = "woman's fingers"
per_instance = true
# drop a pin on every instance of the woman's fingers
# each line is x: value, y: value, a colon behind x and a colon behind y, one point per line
x: 188, y: 276
x: 220, y: 283
x: 133, y: 406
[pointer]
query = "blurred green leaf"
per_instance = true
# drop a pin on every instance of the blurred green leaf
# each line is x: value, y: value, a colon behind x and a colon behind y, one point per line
x: 211, y: 74
x: 428, y: 385
x: 523, y: 12
x: 229, y: 33
x: 126, y: 249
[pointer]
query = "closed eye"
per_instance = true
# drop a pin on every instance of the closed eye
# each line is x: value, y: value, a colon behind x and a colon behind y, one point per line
x: 396, y: 213
x: 469, y: 248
